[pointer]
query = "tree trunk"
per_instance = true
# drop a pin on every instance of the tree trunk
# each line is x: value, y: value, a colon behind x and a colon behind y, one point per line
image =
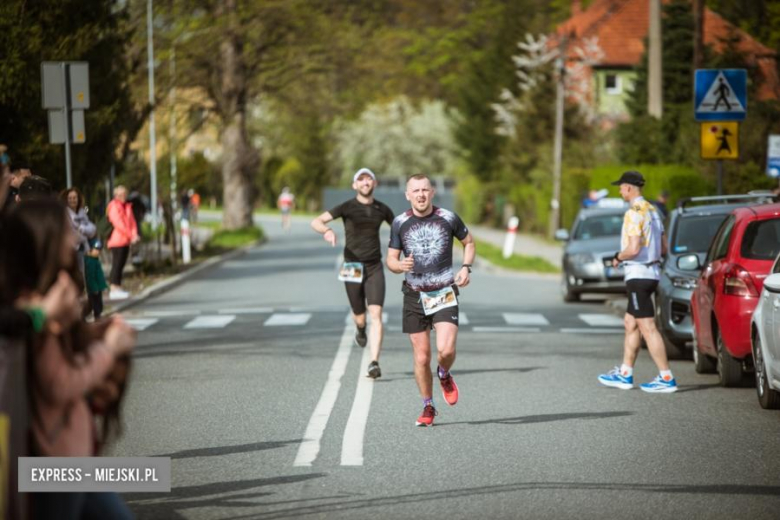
x: 239, y: 159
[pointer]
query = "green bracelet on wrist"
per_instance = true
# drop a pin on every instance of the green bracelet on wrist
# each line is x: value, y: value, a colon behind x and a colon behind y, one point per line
x: 37, y: 317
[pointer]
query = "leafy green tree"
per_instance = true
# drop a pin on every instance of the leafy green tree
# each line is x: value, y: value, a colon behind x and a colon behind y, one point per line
x: 95, y: 31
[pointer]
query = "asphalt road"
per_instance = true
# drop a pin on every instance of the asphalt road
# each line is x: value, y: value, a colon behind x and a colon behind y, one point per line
x: 247, y: 378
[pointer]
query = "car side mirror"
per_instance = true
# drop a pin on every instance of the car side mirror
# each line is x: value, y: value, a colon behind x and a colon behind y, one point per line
x: 562, y: 235
x: 772, y: 283
x: 688, y: 263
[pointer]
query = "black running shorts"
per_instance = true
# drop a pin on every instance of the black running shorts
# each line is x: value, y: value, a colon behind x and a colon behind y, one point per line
x: 640, y: 297
x: 414, y: 318
x: 371, y: 291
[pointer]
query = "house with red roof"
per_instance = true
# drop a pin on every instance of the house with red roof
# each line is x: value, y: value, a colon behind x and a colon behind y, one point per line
x: 620, y: 27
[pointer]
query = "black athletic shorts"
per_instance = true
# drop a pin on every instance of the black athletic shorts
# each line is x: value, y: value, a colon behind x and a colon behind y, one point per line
x: 414, y: 318
x: 640, y: 297
x: 371, y: 291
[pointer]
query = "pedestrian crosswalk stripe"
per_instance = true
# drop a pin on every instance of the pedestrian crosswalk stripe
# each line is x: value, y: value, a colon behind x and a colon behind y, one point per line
x: 602, y: 320
x: 525, y: 319
x: 210, y: 322
x: 257, y: 310
x: 170, y: 314
x: 506, y: 329
x: 280, y: 320
x: 592, y: 331
x: 141, y: 323
x: 462, y: 318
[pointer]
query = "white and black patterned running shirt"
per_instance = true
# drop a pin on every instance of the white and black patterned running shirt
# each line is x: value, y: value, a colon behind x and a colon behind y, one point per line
x: 429, y: 240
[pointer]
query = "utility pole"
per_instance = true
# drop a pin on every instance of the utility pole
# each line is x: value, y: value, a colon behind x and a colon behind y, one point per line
x: 555, y: 203
x: 655, y: 65
x: 172, y: 130
x: 152, y: 134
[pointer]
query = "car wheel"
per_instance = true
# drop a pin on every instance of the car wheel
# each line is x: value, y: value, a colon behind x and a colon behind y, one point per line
x: 703, y: 364
x: 767, y: 397
x: 729, y: 369
x: 673, y: 350
x: 568, y: 295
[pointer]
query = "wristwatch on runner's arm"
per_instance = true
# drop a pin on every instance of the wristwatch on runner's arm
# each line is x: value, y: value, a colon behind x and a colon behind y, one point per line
x: 467, y: 266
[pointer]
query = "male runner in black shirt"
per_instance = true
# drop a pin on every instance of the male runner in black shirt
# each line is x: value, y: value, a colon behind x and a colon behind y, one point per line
x: 425, y: 235
x: 363, y: 274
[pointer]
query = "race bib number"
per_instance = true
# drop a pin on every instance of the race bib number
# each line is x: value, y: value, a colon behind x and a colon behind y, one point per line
x: 351, y: 272
x: 435, y: 301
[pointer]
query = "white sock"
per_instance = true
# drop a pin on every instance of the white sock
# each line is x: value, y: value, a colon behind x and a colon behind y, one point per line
x: 666, y: 375
x: 626, y: 370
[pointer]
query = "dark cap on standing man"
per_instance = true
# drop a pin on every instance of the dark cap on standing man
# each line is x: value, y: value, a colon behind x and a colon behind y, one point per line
x: 630, y: 177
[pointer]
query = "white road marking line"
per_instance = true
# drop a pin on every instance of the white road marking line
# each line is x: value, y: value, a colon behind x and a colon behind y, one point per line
x: 310, y: 446
x: 141, y: 323
x: 592, y: 331
x: 523, y: 318
x: 168, y: 314
x: 601, y: 320
x: 506, y: 329
x: 355, y: 431
x: 462, y: 318
x: 258, y: 310
x: 210, y: 322
x: 280, y: 320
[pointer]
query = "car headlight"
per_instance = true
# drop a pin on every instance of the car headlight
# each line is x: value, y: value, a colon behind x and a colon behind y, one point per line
x: 581, y: 258
x: 683, y: 282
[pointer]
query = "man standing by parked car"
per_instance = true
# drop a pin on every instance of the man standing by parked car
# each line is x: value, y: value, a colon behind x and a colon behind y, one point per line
x: 643, y: 244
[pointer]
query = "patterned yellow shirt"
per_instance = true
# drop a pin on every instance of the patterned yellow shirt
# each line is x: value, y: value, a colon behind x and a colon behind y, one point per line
x: 643, y: 220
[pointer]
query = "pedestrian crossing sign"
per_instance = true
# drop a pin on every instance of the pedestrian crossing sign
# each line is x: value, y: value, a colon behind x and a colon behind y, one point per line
x: 720, y: 140
x: 720, y: 95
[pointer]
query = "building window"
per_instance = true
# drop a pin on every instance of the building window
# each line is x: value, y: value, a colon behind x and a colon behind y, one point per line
x: 613, y: 84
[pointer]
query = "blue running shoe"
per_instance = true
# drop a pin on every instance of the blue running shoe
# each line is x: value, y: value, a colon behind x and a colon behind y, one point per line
x: 659, y: 386
x: 615, y: 379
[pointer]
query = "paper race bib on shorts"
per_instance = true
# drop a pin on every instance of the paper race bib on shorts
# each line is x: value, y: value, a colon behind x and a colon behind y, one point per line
x: 351, y: 272
x: 435, y: 301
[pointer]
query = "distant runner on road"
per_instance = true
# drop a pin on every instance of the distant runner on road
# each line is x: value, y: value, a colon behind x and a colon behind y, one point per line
x: 286, y: 202
x: 362, y: 272
x: 425, y: 236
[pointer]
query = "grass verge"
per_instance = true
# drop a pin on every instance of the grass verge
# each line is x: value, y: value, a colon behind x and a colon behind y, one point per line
x: 494, y: 255
x: 224, y: 240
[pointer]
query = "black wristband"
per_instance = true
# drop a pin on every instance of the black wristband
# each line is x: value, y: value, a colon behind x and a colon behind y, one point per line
x: 467, y: 266
x: 616, y: 256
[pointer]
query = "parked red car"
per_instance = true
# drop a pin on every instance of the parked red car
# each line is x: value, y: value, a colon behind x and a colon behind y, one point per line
x: 726, y: 294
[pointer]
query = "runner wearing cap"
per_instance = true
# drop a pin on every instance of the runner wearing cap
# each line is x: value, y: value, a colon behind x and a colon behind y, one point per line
x: 643, y: 244
x: 362, y: 272
x: 425, y: 235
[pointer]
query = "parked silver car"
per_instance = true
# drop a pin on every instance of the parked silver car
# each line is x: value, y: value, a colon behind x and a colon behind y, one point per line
x: 765, y: 338
x: 587, y: 257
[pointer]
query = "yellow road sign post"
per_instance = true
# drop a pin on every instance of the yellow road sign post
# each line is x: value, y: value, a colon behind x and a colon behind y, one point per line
x: 720, y: 140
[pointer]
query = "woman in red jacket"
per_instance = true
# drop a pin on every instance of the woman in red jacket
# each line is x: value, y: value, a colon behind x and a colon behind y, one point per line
x: 125, y: 233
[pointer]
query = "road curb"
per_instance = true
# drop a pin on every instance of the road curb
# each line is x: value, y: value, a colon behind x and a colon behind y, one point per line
x: 176, y: 280
x: 489, y: 267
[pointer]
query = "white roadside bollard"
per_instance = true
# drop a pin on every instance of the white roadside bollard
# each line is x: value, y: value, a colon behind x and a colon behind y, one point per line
x: 185, y: 241
x: 511, y: 234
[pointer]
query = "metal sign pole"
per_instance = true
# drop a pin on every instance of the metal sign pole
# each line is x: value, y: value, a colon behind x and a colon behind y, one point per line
x: 68, y: 175
x: 720, y: 176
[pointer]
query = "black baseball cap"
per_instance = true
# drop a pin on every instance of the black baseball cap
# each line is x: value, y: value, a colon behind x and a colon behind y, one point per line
x: 630, y: 177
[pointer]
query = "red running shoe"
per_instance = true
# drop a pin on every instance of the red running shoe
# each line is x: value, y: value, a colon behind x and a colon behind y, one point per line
x: 426, y: 419
x: 449, y: 390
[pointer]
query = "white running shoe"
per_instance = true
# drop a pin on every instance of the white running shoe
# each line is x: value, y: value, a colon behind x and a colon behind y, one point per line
x: 118, y: 294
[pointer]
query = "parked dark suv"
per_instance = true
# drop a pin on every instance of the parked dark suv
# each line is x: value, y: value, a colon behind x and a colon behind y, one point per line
x: 690, y: 229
